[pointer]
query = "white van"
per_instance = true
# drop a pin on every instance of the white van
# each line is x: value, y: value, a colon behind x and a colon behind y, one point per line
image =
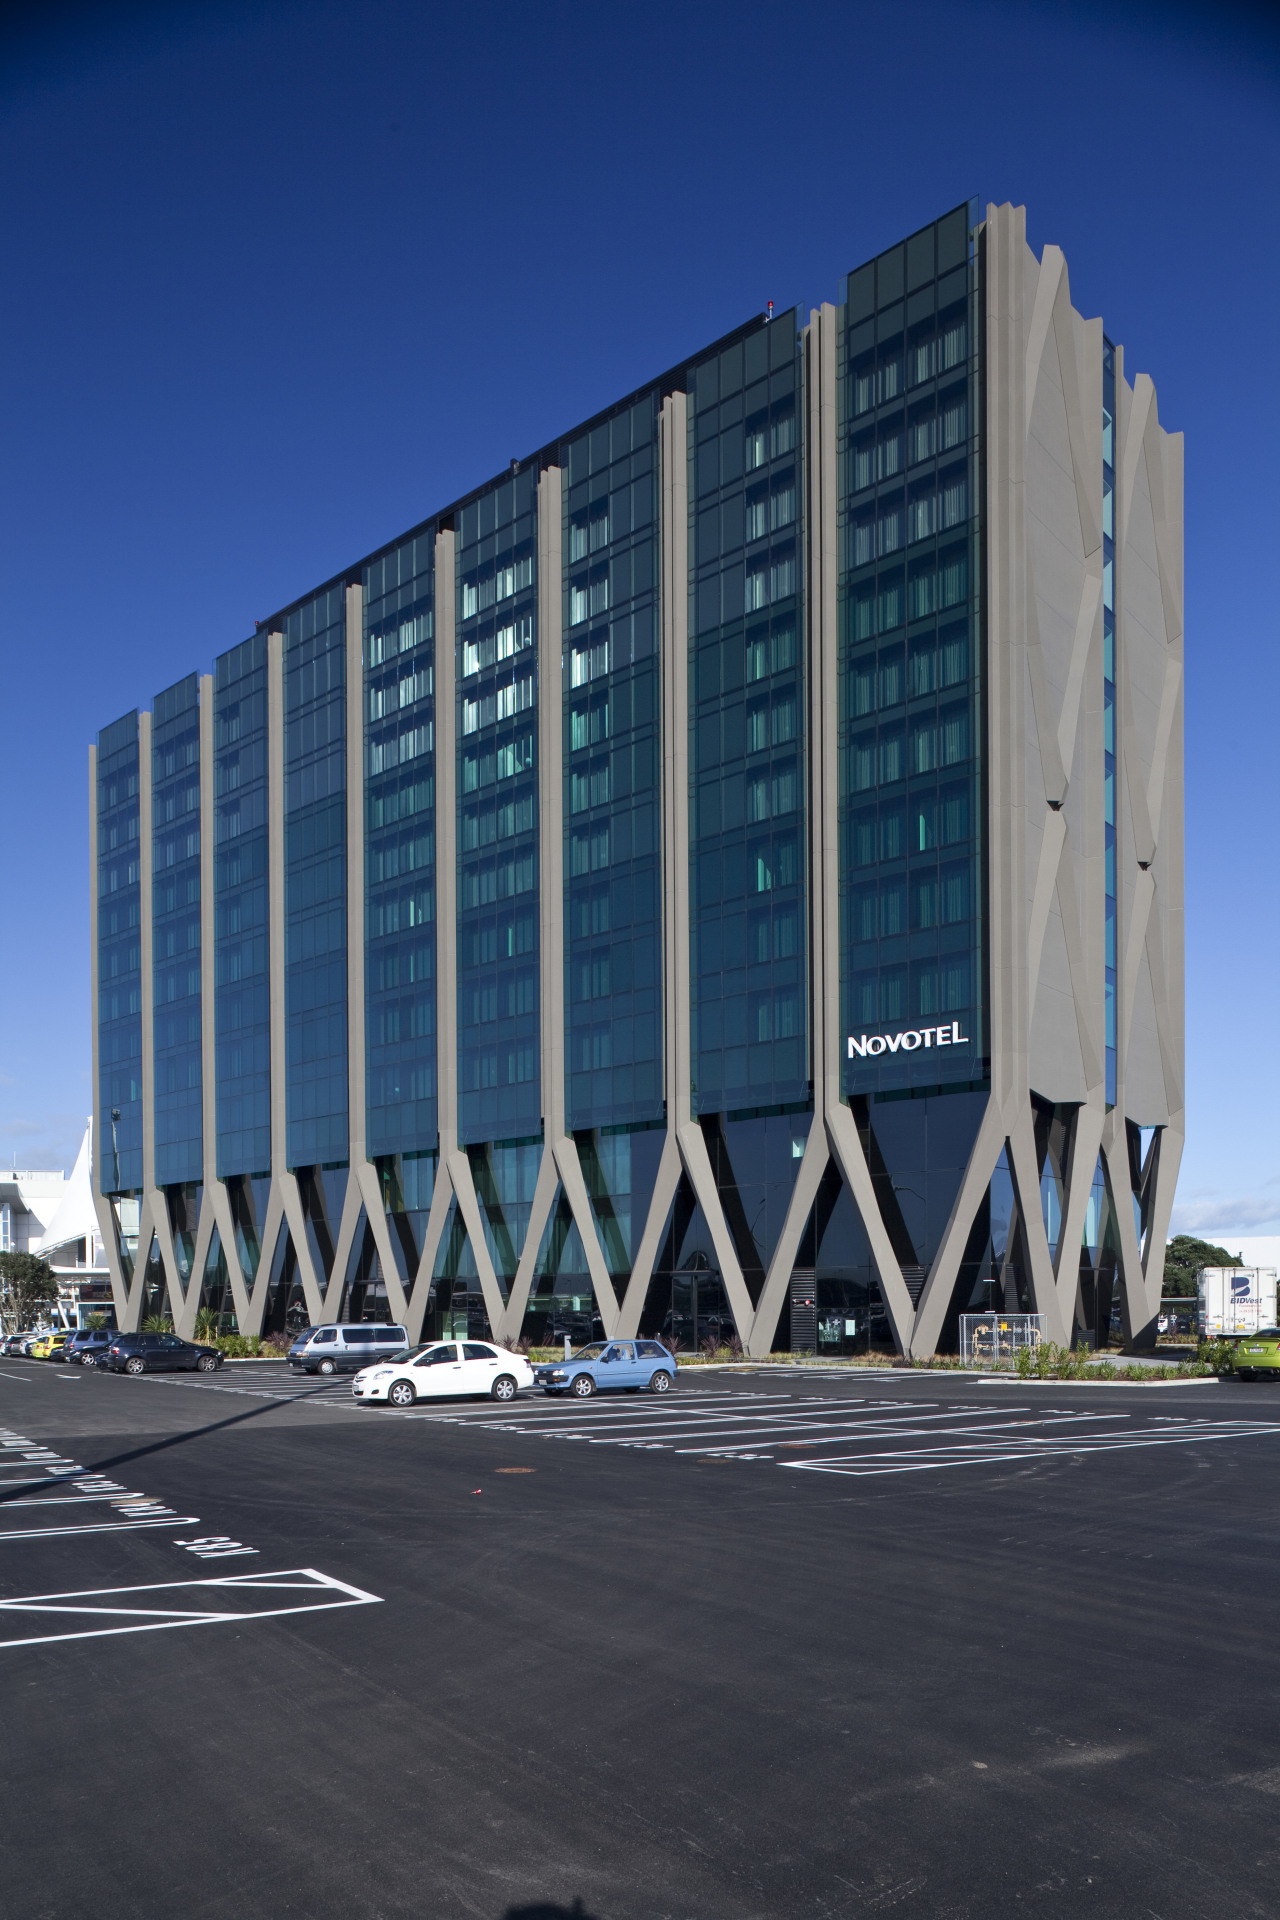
x: 346, y: 1348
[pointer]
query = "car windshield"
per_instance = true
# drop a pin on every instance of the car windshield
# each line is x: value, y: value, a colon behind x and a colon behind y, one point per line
x: 592, y: 1352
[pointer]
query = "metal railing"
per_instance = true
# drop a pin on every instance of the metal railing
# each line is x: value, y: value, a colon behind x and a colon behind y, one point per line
x: 995, y: 1339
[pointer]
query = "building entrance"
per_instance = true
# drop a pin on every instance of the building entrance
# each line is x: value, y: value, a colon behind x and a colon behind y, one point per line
x: 699, y: 1309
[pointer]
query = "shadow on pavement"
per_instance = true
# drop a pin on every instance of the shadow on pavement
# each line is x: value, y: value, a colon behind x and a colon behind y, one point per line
x: 544, y: 1911
x: 181, y: 1440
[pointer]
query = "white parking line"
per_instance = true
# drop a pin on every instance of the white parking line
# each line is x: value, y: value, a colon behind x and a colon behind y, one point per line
x: 105, y: 1526
x: 313, y: 1592
x: 834, y: 1432
x: 966, y: 1454
x: 763, y: 1428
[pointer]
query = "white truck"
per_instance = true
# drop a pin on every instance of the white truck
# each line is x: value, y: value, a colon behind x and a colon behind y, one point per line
x: 1235, y: 1300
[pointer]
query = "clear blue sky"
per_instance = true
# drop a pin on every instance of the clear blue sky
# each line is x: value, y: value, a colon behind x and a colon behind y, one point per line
x: 281, y: 279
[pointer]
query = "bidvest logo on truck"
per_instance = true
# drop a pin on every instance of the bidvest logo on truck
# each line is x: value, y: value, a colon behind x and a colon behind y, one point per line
x: 949, y: 1036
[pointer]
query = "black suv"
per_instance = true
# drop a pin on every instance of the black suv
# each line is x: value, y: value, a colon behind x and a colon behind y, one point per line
x: 158, y: 1353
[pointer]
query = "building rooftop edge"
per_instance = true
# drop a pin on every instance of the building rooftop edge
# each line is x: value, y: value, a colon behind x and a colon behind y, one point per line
x: 669, y: 381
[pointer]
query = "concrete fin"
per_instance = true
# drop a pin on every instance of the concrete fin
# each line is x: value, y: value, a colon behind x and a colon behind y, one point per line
x: 1056, y: 1059
x: 544, y: 1195
x: 846, y: 1148
x: 1088, y: 470
x: 437, y: 1220
x: 1145, y: 1094
x: 575, y: 1191
x: 936, y: 1296
x: 1170, y: 581
x: 1087, y: 623
x: 1026, y: 1186
x: 664, y: 1192
x: 469, y: 1208
x: 1052, y: 771
x: 697, y: 1164
x: 1052, y: 265
x: 777, y: 1280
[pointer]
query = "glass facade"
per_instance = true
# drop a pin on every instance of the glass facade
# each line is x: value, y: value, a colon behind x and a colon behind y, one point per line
x: 315, y: 863
x: 904, y: 652
x: 119, y: 937
x: 910, y: 717
x: 746, y: 725
x: 499, y: 1096
x: 241, y: 921
x: 612, y: 930
x: 175, y: 933
x: 1109, y: 694
x: 400, y: 849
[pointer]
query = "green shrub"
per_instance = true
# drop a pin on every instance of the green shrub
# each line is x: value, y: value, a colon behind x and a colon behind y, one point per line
x: 235, y: 1346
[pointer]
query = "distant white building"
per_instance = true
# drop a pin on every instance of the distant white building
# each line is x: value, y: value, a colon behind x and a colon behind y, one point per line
x: 44, y: 1212
x: 1255, y: 1250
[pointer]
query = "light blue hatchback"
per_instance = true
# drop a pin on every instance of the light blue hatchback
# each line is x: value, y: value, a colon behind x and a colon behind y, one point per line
x: 619, y: 1365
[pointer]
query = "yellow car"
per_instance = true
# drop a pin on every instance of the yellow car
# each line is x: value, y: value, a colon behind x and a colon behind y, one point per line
x: 1258, y: 1357
x: 45, y: 1347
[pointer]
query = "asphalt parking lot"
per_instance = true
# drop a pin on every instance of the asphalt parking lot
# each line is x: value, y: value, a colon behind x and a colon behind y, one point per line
x: 788, y: 1643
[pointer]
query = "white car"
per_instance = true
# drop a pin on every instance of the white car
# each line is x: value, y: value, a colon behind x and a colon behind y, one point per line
x: 445, y: 1367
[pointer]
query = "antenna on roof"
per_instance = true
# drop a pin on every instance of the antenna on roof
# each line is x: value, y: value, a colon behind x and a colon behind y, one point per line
x: 768, y: 312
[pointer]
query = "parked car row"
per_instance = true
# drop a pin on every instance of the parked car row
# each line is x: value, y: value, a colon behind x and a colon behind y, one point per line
x: 387, y: 1368
x: 117, y: 1352
x: 447, y: 1367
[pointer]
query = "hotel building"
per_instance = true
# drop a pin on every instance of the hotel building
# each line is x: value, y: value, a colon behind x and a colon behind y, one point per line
x: 722, y: 877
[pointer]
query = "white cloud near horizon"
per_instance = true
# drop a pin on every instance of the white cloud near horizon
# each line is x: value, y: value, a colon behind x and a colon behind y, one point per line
x: 1220, y: 1216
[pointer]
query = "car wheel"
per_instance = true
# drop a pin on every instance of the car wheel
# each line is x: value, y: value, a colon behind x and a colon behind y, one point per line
x: 207, y: 1363
x: 503, y: 1388
x: 661, y: 1381
x: 328, y: 1366
x: 136, y: 1364
x: 583, y: 1386
x: 401, y: 1393
x: 1244, y: 1373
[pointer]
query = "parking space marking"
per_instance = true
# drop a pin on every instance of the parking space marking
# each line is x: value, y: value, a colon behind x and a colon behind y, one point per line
x: 102, y: 1526
x: 132, y: 1511
x: 310, y: 1592
x: 891, y: 1436
x: 1024, y: 1448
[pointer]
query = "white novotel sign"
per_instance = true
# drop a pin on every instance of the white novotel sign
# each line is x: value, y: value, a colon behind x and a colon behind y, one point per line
x: 948, y: 1036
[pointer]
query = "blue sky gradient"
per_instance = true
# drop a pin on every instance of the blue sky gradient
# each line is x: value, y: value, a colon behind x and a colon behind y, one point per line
x: 282, y: 279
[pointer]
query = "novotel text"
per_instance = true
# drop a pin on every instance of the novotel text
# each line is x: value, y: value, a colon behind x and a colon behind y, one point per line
x: 948, y: 1036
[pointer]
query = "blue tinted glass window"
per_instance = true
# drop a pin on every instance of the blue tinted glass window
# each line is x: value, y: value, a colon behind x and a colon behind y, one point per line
x: 746, y: 726
x: 613, y: 1002
x: 242, y: 1006
x: 119, y: 937
x: 400, y: 849
x: 910, y: 703
x: 315, y: 861
x: 175, y: 933
x: 499, y: 1094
